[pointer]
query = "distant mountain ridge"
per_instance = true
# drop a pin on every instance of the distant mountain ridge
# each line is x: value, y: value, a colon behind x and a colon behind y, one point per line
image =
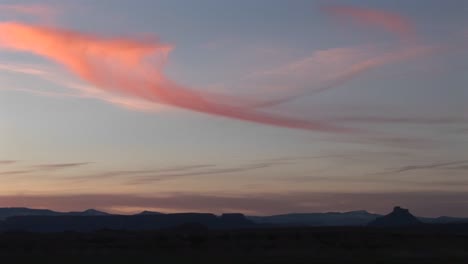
x: 23, y: 211
x: 443, y: 220
x: 352, y: 218
x: 91, y: 223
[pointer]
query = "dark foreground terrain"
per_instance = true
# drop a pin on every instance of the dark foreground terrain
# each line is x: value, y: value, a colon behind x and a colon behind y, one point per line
x: 194, y: 244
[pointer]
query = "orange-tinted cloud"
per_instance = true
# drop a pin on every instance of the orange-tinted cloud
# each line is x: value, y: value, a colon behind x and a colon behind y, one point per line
x: 390, y: 21
x: 133, y: 68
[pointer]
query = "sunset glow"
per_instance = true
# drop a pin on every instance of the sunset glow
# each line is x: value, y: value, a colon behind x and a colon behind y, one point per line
x: 259, y: 107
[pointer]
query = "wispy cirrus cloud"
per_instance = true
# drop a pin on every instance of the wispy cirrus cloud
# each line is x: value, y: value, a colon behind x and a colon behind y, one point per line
x: 74, y: 89
x: 141, y: 173
x: 308, y: 75
x: 347, y: 70
x: 387, y: 20
x: 354, y: 63
x: 146, y: 176
x: 212, y: 171
x: 332, y: 68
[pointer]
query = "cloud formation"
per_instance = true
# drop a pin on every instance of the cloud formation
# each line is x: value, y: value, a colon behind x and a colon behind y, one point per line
x: 133, y: 68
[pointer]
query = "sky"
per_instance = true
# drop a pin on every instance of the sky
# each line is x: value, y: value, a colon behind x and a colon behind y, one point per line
x: 260, y: 106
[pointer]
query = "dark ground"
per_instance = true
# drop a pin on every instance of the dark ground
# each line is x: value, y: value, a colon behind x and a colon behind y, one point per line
x: 272, y: 245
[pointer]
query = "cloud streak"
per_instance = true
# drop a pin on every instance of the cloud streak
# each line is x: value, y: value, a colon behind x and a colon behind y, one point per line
x: 41, y: 167
x: 410, y: 120
x: 7, y: 162
x: 212, y: 171
x: 15, y: 172
x: 429, y: 166
x: 140, y: 173
x: 136, y: 177
x: 57, y: 166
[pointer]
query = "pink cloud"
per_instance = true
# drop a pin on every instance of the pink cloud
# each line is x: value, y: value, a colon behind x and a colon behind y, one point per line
x: 389, y: 21
x: 127, y: 67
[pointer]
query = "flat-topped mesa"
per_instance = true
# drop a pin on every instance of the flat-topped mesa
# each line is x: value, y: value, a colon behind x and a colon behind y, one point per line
x: 397, y: 218
x: 235, y: 219
x: 399, y: 210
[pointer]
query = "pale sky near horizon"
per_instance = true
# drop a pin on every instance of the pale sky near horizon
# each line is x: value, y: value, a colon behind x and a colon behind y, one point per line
x: 260, y: 107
